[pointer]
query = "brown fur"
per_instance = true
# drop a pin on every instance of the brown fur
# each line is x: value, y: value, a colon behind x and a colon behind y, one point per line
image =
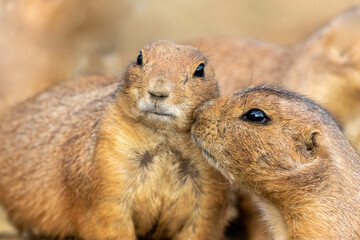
x: 300, y: 166
x: 96, y: 160
x: 325, y: 66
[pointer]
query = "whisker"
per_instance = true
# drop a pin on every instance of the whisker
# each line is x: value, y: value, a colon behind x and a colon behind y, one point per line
x: 117, y: 70
x: 250, y: 82
x: 210, y: 48
x: 199, y: 43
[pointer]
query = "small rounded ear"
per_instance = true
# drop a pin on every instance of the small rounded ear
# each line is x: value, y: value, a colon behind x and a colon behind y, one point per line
x: 312, y: 141
x: 308, y: 144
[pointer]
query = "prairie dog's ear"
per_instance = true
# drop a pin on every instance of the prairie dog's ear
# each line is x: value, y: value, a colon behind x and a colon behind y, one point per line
x: 312, y: 141
x: 340, y: 37
x: 309, y: 144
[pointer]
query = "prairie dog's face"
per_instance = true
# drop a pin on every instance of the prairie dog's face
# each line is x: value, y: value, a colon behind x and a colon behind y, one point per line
x: 259, y: 135
x: 166, y: 83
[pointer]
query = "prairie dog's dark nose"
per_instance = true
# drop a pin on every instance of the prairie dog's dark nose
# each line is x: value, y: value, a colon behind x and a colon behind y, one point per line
x: 158, y: 87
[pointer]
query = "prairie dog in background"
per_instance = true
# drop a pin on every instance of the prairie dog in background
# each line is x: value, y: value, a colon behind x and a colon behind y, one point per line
x: 325, y: 66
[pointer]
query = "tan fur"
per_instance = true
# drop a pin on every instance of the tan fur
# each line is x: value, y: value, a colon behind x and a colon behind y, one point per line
x: 299, y: 164
x: 239, y: 63
x: 325, y: 66
x: 96, y: 160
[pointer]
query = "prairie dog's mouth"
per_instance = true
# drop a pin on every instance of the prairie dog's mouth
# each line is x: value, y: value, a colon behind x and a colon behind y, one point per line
x: 160, y: 113
x: 158, y: 110
x: 211, y: 160
x: 205, y: 152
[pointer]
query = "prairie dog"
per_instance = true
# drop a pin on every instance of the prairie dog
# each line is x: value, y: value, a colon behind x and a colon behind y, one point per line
x: 290, y: 153
x: 324, y: 66
x: 106, y: 159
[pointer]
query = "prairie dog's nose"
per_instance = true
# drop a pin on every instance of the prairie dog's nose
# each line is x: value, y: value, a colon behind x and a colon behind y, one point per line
x: 203, y: 107
x: 159, y: 87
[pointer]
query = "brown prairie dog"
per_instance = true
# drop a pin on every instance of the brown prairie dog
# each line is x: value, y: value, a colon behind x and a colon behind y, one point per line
x: 324, y: 66
x: 96, y: 160
x: 290, y: 153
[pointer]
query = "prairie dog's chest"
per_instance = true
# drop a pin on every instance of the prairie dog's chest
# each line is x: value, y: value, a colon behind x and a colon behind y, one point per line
x: 167, y: 164
x: 166, y: 187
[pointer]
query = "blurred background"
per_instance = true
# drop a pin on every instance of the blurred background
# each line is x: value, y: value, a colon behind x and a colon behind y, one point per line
x: 43, y: 42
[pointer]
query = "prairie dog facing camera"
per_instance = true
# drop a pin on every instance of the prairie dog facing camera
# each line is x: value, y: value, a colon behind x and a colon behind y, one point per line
x: 290, y: 153
x: 96, y: 158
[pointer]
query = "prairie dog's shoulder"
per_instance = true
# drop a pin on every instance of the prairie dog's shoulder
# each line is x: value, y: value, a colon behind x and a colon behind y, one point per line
x: 92, y: 87
x: 59, y: 114
x: 75, y: 93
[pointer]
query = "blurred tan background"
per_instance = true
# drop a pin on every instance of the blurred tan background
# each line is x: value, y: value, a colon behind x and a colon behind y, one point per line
x: 43, y: 42
x: 46, y: 41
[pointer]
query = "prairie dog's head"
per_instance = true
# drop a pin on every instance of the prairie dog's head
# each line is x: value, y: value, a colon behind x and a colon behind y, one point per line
x: 267, y: 138
x: 166, y: 83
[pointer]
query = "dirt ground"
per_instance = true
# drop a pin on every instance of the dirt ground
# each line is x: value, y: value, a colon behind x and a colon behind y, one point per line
x: 43, y: 42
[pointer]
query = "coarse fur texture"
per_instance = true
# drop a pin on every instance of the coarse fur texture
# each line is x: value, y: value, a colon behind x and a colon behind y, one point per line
x: 99, y: 158
x: 301, y: 168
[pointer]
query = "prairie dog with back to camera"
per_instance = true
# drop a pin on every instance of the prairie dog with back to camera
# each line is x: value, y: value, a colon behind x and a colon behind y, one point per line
x: 290, y: 153
x: 103, y: 159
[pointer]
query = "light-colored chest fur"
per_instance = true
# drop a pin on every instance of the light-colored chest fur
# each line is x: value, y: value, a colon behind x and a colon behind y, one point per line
x: 165, y: 188
x: 273, y: 218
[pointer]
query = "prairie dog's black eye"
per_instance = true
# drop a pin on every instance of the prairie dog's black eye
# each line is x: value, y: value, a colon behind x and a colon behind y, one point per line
x: 199, y: 72
x: 139, y: 59
x: 256, y: 116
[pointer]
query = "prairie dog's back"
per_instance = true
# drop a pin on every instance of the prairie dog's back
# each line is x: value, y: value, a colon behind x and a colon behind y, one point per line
x: 66, y: 116
x: 240, y: 63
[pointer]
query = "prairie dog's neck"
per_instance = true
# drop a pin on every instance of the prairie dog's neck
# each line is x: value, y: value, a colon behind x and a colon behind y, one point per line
x: 273, y: 218
x: 324, y: 213
x: 292, y: 223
